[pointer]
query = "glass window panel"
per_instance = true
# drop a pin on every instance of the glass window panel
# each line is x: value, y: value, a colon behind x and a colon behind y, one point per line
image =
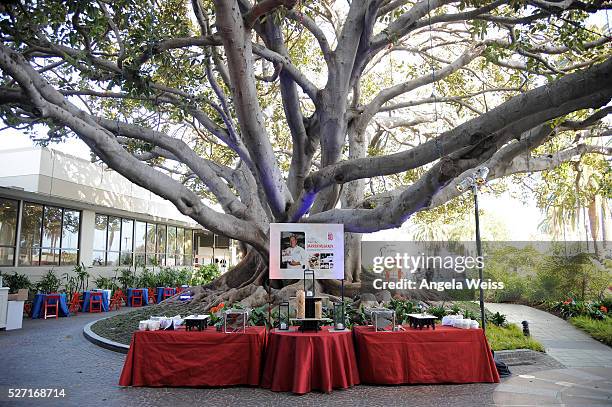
x: 29, y: 257
x: 100, y: 233
x: 114, y: 234
x: 179, y: 260
x: 187, y: 260
x: 49, y: 257
x: 112, y: 258
x: 170, y: 260
x: 127, y: 230
x: 7, y: 256
x: 171, y: 244
x: 70, y: 229
x: 188, y: 242
x: 180, y: 241
x: 52, y: 228
x: 140, y: 237
x: 161, y: 238
x: 126, y: 258
x: 69, y: 257
x: 222, y: 241
x: 8, y: 222
x: 31, y: 223
x: 151, y: 234
x: 206, y: 239
x: 139, y: 260
x: 151, y: 259
x: 98, y: 258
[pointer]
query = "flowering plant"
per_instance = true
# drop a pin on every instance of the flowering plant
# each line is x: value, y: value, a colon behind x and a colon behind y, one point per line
x: 215, y: 313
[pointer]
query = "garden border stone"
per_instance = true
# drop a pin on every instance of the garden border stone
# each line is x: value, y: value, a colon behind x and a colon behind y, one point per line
x: 96, y: 339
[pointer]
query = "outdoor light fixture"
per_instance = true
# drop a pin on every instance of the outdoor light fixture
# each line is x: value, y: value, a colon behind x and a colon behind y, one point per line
x: 481, y: 175
x: 339, y: 316
x: 477, y: 179
x: 283, y: 316
x: 309, y: 283
x: 465, y: 184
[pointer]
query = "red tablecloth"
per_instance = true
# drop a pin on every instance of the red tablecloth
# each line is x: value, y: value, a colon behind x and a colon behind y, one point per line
x: 206, y: 358
x: 446, y: 355
x: 303, y: 361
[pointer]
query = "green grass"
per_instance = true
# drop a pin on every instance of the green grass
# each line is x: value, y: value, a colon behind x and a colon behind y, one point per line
x: 510, y: 337
x: 598, y: 329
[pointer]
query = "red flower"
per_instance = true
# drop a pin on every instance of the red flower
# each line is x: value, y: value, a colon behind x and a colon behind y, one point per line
x: 603, y: 309
x: 218, y: 308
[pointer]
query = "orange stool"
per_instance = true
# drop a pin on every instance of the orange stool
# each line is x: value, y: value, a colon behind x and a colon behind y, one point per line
x: 121, y: 296
x: 152, y: 296
x: 75, y: 304
x: 50, y: 305
x: 95, y: 301
x: 27, y: 308
x: 116, y: 301
x: 137, y: 298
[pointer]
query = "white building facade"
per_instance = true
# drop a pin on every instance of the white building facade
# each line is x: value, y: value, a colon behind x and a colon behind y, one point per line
x: 57, y: 211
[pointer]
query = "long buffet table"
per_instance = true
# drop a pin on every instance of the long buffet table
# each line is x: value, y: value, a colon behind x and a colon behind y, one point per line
x: 446, y: 355
x: 303, y: 361
x: 194, y: 359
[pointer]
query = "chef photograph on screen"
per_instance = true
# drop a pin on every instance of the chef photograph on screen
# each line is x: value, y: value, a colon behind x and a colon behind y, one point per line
x: 293, y: 254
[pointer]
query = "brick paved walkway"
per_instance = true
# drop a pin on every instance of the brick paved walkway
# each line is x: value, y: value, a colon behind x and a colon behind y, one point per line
x: 54, y: 354
x: 564, y: 342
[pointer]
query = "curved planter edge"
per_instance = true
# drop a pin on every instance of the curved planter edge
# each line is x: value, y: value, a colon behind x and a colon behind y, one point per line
x: 96, y: 339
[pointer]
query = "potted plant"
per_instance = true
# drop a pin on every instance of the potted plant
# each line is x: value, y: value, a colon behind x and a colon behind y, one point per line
x: 50, y: 283
x: 16, y: 282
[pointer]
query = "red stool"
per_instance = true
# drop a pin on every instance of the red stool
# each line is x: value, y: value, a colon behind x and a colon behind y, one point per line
x: 50, y: 305
x: 152, y: 296
x: 95, y: 301
x: 137, y: 298
x: 75, y: 304
x: 168, y: 292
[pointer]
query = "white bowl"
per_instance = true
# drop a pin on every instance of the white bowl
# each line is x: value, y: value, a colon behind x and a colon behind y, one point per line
x: 153, y: 325
x: 143, y: 325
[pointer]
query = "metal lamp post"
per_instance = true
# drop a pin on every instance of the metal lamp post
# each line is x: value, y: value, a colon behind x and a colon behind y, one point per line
x: 477, y: 179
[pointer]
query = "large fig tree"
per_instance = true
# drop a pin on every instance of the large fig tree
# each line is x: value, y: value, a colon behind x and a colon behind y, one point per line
x: 362, y: 112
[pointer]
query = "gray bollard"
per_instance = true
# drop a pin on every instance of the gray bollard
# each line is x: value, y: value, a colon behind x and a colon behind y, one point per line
x: 526, y: 328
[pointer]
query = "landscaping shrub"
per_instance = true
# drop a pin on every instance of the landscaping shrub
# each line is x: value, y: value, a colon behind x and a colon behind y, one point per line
x: 598, y: 329
x: 581, y: 276
x: 467, y: 314
x: 205, y: 274
x: 146, y: 278
x: 498, y: 319
x: 50, y: 283
x: 402, y: 308
x: 126, y: 278
x: 572, y: 308
x: 510, y: 337
x: 437, y: 312
x: 105, y: 283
